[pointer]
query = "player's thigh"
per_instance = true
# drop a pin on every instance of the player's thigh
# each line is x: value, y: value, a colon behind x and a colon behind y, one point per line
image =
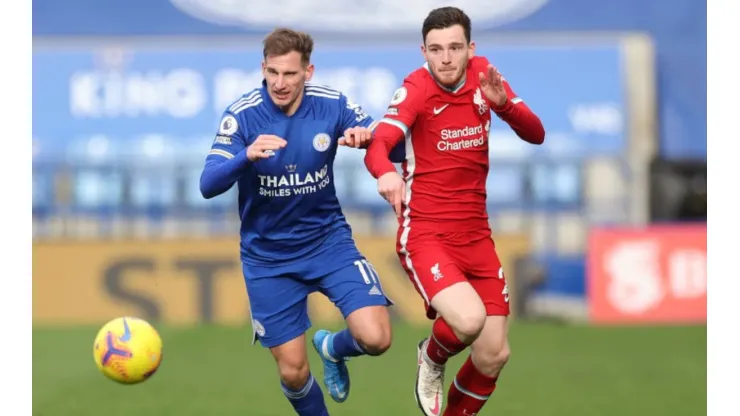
x: 491, y: 351
x: 486, y: 274
x: 354, y: 287
x: 279, y: 308
x: 292, y: 361
x: 357, y: 291
x: 442, y: 284
x: 428, y: 265
x: 462, y: 308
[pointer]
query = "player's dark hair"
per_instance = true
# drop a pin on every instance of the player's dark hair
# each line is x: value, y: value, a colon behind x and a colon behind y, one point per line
x: 445, y: 17
x: 282, y: 41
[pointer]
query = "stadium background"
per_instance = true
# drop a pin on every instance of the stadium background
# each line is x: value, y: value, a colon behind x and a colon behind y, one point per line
x: 602, y: 230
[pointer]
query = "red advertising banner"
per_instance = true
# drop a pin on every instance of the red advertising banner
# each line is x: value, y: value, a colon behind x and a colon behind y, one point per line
x: 648, y: 275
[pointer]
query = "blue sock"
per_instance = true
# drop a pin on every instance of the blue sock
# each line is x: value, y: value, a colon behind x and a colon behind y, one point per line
x: 342, y: 344
x: 309, y: 400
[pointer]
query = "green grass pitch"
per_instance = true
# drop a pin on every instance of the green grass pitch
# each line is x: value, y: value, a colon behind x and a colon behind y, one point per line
x: 555, y: 370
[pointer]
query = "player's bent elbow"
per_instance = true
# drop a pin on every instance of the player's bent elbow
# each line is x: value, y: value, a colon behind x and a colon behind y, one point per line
x: 535, y: 139
x: 539, y: 138
x: 368, y: 160
x: 209, y: 189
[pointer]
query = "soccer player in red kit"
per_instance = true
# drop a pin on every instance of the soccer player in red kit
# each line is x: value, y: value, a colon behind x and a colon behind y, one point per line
x: 443, y: 112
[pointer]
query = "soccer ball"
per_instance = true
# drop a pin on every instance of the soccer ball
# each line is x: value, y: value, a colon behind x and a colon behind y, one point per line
x: 127, y: 350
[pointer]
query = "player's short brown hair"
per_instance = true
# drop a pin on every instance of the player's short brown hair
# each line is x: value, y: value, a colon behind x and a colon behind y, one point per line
x: 445, y: 17
x: 282, y: 41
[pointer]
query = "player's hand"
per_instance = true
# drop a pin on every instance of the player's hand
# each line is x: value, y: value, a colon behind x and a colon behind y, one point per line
x: 264, y: 146
x: 492, y: 86
x: 357, y: 137
x: 392, y: 187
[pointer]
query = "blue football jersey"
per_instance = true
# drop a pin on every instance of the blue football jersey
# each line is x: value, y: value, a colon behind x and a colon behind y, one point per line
x: 287, y: 203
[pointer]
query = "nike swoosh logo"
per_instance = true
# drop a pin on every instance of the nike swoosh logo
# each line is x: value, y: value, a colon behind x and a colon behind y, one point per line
x: 435, y: 408
x: 126, y: 332
x: 439, y: 110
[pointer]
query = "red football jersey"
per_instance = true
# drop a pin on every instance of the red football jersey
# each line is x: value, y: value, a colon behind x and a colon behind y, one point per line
x: 446, y: 133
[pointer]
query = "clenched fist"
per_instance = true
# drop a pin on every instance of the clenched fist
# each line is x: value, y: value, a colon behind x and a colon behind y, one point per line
x: 358, y: 137
x: 264, y: 146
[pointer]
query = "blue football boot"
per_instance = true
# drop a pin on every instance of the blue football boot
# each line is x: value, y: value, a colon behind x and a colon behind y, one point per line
x: 336, y: 375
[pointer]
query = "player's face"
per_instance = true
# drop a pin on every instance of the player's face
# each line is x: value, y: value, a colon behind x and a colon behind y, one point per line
x: 447, y: 53
x: 285, y: 76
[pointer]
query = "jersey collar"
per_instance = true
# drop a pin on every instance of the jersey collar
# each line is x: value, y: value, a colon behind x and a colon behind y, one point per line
x: 453, y: 90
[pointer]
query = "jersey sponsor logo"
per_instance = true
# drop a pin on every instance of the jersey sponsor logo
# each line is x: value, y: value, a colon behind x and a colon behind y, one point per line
x: 294, y: 183
x: 399, y: 96
x: 467, y: 131
x: 468, y: 137
x: 391, y: 111
x: 228, y: 126
x: 224, y: 140
x: 341, y: 15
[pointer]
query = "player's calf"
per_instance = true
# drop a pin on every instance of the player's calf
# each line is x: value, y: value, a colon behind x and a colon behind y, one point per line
x: 296, y: 380
x: 477, y: 378
x: 490, y: 360
x: 463, y: 317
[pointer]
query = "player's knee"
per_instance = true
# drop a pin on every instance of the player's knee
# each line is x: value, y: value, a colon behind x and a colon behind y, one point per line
x: 294, y: 373
x: 491, y: 359
x: 467, y: 323
x: 463, y: 310
x: 375, y: 340
x: 471, y: 327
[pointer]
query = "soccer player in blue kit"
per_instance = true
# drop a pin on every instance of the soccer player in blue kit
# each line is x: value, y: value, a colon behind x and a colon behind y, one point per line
x: 278, y: 144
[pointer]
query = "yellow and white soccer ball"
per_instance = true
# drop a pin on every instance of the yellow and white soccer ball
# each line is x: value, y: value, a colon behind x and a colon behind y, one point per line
x: 128, y: 350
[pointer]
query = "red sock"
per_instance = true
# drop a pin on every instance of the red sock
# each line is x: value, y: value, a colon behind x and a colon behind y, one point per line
x: 443, y: 343
x: 469, y: 391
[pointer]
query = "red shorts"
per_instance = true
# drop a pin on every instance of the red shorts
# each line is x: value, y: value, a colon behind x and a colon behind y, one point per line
x: 437, y: 260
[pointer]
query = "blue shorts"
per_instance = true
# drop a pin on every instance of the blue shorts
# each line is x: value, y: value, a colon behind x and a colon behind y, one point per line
x: 278, y: 296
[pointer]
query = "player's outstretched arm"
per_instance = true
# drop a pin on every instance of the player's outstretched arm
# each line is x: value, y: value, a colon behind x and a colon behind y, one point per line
x: 511, y: 108
x: 226, y: 161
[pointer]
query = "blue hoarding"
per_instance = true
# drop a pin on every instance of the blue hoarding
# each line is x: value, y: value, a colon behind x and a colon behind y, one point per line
x: 151, y: 105
x: 677, y: 27
x: 130, y: 95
